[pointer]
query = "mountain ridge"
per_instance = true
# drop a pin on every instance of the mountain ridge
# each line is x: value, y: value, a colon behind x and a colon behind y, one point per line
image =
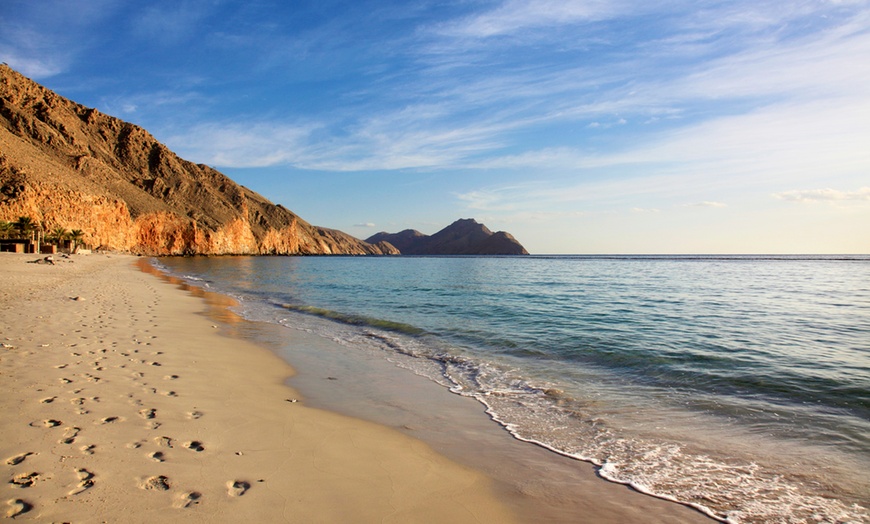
x: 67, y: 165
x: 465, y: 236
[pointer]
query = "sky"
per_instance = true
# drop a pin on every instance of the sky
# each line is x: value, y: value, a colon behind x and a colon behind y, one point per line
x: 594, y: 126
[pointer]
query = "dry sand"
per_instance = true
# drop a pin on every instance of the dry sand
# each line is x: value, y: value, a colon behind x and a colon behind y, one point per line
x: 119, y: 403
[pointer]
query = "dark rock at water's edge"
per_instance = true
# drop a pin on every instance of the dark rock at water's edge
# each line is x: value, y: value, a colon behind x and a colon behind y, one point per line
x: 67, y: 166
x: 463, y: 237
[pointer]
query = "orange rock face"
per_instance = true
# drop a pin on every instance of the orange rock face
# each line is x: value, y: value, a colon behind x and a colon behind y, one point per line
x: 66, y: 165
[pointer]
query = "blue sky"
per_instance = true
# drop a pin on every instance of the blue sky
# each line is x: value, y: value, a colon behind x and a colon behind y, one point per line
x: 579, y: 126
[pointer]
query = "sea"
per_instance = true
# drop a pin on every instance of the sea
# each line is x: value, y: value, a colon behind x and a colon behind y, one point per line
x: 738, y: 385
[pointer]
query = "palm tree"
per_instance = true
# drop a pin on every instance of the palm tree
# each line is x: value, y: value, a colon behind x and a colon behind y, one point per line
x: 25, y: 226
x: 58, y: 234
x: 5, y: 229
x: 75, y: 235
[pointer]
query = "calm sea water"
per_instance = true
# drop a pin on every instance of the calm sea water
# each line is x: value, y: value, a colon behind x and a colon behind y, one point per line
x: 738, y: 385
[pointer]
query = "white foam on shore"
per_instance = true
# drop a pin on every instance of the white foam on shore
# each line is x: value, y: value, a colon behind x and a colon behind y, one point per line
x: 727, y: 489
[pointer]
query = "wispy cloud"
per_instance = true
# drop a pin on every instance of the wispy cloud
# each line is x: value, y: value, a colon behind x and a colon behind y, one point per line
x: 493, y: 199
x: 824, y: 195
x: 42, y: 39
x: 821, y: 64
x: 750, y: 105
x: 243, y: 145
x: 154, y: 102
x: 168, y: 24
x: 516, y: 15
x: 24, y: 49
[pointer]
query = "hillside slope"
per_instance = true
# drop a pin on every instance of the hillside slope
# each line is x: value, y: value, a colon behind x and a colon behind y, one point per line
x: 66, y: 165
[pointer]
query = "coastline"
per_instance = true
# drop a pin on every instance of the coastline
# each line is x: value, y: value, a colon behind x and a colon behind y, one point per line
x: 536, y: 483
x: 121, y: 401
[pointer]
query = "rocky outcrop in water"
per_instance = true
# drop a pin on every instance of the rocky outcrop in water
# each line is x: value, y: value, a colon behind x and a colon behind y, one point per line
x: 463, y: 237
x: 70, y: 166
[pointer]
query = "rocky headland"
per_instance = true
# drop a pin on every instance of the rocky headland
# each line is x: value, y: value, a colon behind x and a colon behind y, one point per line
x: 65, y: 165
x: 463, y: 237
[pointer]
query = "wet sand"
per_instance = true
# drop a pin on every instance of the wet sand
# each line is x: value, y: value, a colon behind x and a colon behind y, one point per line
x: 121, y: 402
x: 538, y: 485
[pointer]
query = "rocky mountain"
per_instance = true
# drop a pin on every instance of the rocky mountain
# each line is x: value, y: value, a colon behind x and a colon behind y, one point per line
x: 66, y: 165
x: 463, y: 237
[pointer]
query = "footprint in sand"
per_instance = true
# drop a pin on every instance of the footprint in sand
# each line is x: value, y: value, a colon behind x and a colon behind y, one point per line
x: 170, y: 377
x: 109, y: 420
x: 193, y: 415
x: 237, y: 488
x: 163, y: 442
x: 186, y: 500
x: 69, y: 435
x: 195, y: 446
x: 160, y: 483
x: 18, y: 459
x: 157, y: 456
x: 24, y: 480
x: 49, y: 423
x: 88, y: 450
x: 17, y: 507
x: 48, y: 400
x: 148, y: 413
x: 86, y: 482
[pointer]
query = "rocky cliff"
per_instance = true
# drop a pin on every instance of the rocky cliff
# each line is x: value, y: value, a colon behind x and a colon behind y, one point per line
x: 66, y: 165
x: 463, y: 237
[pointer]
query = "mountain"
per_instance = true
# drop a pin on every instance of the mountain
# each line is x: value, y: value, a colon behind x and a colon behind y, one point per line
x: 463, y: 237
x: 66, y: 165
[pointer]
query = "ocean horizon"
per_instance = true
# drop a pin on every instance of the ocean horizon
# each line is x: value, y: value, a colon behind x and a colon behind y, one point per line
x: 736, y: 384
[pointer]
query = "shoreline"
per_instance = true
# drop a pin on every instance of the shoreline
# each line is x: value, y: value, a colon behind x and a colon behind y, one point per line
x: 535, y: 482
x: 122, y: 401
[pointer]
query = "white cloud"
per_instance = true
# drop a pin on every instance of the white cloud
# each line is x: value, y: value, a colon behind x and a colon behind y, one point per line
x: 516, y: 15
x: 242, y: 145
x: 365, y: 224
x: 492, y: 199
x: 814, y: 66
x: 42, y: 39
x: 802, y: 93
x: 35, y: 68
x: 25, y: 49
x: 824, y: 195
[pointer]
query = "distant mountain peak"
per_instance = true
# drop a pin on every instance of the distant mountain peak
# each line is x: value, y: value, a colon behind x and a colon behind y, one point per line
x: 465, y: 236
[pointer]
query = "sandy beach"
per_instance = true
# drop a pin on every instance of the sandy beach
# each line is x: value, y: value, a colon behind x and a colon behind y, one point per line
x: 121, y: 404
x: 127, y: 398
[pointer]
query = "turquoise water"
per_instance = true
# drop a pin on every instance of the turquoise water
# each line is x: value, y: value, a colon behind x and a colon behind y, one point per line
x: 738, y: 385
